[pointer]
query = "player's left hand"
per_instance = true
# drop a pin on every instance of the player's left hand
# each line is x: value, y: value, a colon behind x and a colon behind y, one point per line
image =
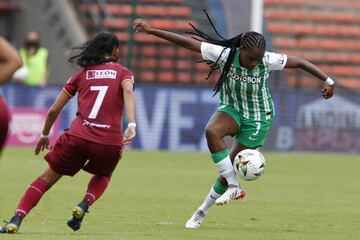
x: 42, y: 144
x: 328, y: 91
x: 129, y: 135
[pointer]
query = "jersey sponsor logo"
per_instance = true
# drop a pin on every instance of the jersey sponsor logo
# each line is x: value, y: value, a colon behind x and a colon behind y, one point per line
x: 98, y: 74
x: 97, y: 125
x: 249, y: 79
x: 246, y: 79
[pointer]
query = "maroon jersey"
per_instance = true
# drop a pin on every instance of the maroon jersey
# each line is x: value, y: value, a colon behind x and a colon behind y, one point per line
x: 4, y: 122
x: 100, y: 102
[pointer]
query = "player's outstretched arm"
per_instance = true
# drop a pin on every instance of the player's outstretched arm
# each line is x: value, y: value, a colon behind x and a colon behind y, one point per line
x: 186, y: 42
x: 297, y: 62
x: 61, y: 100
x: 129, y: 101
x: 10, y: 60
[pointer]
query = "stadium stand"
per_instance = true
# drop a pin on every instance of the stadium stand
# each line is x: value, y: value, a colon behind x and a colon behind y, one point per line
x: 8, y: 9
x: 326, y: 32
x: 153, y: 60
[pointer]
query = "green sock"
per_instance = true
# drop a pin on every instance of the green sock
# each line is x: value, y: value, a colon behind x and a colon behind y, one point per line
x: 219, y: 156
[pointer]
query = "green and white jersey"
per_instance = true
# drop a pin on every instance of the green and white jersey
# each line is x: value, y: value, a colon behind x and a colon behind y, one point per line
x: 246, y: 89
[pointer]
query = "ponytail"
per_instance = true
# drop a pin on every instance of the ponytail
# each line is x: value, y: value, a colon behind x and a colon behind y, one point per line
x: 93, y: 52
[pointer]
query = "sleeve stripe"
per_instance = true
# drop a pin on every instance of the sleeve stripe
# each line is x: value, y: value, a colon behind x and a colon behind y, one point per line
x: 128, y: 79
x: 67, y: 92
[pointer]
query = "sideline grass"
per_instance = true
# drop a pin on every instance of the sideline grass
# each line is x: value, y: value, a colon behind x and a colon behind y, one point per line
x: 152, y: 194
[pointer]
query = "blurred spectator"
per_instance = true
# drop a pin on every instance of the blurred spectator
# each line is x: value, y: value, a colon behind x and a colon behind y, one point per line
x: 35, y: 70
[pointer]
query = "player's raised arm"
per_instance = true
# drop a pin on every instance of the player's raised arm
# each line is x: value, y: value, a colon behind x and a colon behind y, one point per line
x: 129, y: 101
x: 9, y: 60
x: 186, y: 42
x: 297, y: 62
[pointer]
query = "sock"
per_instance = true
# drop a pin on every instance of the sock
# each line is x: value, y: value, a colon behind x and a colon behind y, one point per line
x: 215, y: 192
x: 223, y: 164
x: 96, y: 188
x: 31, y: 197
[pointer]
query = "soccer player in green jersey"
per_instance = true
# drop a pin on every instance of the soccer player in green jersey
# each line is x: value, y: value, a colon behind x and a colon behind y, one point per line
x: 246, y: 108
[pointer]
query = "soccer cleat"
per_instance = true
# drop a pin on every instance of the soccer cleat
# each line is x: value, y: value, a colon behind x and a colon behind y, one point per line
x: 3, y: 227
x: 232, y: 193
x: 196, y: 219
x: 12, y: 226
x: 78, y: 214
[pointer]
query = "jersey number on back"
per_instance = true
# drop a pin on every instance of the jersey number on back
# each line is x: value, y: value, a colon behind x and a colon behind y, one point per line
x: 99, y: 99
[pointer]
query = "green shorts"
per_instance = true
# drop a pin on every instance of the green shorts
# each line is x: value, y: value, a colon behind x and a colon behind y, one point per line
x: 251, y: 133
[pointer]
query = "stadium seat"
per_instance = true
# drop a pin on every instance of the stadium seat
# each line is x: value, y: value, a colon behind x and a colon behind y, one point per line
x: 155, y: 60
x: 330, y: 39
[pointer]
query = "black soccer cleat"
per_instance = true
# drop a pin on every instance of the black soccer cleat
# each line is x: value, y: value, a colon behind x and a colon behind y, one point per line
x: 78, y: 214
x: 12, y: 226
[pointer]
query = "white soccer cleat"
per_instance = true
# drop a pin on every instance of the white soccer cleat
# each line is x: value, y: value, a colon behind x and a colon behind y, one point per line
x: 232, y: 193
x: 196, y: 219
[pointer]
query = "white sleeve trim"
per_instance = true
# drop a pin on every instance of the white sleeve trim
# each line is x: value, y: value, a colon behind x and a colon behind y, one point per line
x: 212, y: 52
x: 275, y: 61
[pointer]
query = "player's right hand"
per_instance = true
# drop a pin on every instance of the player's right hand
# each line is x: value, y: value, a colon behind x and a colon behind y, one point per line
x: 141, y: 26
x: 41, y: 145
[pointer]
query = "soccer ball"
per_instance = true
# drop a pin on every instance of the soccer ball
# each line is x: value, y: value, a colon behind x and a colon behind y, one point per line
x: 249, y: 164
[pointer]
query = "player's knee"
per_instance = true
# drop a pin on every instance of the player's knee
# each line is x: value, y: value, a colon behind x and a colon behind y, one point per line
x: 212, y: 133
x: 50, y: 177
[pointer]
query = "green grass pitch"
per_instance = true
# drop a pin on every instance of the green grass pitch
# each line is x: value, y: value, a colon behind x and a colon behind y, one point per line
x: 152, y: 194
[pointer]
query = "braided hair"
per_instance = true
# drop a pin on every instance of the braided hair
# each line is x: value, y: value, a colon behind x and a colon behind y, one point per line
x: 93, y: 52
x: 247, y: 40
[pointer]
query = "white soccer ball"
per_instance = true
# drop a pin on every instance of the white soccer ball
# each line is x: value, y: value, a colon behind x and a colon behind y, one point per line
x: 249, y: 164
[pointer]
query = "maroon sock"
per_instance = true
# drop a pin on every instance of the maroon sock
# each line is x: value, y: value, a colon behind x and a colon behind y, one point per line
x: 96, y: 188
x: 31, y: 197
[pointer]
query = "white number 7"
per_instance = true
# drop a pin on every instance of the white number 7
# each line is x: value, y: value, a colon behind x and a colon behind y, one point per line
x: 99, y: 99
x: 257, y: 128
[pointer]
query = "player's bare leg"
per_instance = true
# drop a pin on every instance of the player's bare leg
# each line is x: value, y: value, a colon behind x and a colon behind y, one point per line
x: 224, y: 125
x: 219, y: 126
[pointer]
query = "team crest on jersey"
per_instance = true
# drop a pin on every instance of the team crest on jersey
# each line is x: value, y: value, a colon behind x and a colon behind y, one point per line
x: 98, y: 74
x: 280, y: 59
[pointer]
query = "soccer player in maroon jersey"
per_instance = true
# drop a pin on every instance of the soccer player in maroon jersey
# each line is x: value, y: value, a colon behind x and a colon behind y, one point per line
x: 94, y: 140
x: 9, y: 62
